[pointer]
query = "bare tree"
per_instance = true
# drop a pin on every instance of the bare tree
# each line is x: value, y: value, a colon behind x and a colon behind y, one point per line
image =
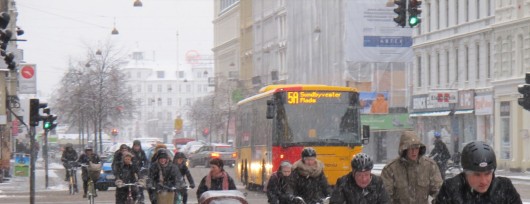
x: 93, y: 93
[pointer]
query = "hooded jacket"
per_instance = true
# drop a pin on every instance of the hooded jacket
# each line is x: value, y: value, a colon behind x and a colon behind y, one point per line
x: 311, y: 187
x: 139, y: 159
x: 440, y: 153
x: 408, y: 181
x: 69, y: 154
x: 347, y: 191
x: 276, y: 188
x: 456, y: 190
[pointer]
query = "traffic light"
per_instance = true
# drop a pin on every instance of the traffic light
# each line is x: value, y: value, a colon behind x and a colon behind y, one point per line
x: 34, y: 115
x: 10, y: 61
x: 401, y: 11
x: 114, y: 132
x: 205, y: 132
x: 49, y: 122
x: 5, y: 37
x: 414, y: 12
x: 525, y: 90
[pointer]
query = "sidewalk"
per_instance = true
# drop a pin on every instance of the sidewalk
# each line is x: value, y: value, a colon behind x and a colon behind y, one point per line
x: 21, y: 184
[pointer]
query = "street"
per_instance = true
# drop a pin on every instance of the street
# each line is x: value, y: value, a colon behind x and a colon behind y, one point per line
x: 17, y: 190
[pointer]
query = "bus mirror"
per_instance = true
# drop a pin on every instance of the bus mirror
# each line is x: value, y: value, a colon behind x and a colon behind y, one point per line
x: 366, y: 134
x: 270, y: 109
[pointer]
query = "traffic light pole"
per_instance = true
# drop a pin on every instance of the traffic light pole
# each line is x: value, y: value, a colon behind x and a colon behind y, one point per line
x: 32, y: 166
x: 45, y: 155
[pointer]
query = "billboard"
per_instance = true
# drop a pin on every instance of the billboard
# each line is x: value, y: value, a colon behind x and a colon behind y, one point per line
x: 374, y: 102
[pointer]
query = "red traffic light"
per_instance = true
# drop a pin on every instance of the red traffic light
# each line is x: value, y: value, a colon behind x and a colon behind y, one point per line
x: 205, y: 132
x: 114, y: 132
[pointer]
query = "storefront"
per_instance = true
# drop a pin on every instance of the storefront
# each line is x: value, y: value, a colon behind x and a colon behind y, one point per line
x: 385, y: 133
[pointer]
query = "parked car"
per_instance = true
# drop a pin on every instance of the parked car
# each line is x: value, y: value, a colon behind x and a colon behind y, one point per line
x: 207, y: 152
x: 106, y: 177
x: 171, y: 147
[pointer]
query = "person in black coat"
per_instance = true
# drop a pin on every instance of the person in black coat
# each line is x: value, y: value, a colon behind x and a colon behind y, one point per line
x: 180, y: 161
x: 140, y: 161
x: 86, y: 158
x: 117, y: 157
x: 127, y: 173
x: 217, y: 179
x: 478, y: 183
x: 277, y: 186
x: 360, y: 185
x: 307, y: 179
x: 440, y: 154
x: 164, y: 175
x: 69, y: 155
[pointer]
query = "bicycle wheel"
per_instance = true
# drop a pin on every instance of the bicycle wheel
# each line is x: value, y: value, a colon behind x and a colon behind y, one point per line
x: 91, y: 193
x: 71, y: 186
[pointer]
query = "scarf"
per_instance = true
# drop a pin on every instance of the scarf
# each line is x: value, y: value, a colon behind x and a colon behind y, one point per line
x: 308, y: 171
x: 222, y: 174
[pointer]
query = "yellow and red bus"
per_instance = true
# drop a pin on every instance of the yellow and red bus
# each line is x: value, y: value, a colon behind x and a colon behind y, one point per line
x: 278, y: 122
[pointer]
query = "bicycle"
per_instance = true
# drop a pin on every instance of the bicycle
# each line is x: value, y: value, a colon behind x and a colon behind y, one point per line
x: 130, y: 199
x: 453, y: 169
x: 165, y: 194
x: 322, y: 201
x: 179, y: 199
x: 91, y: 191
x: 72, y: 178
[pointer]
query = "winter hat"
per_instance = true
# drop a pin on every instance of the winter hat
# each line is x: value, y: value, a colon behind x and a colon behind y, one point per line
x: 137, y: 142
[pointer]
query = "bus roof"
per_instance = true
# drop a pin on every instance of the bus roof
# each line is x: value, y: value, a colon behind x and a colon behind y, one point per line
x: 269, y: 90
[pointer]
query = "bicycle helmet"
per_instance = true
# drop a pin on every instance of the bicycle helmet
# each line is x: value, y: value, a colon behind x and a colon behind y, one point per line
x: 179, y: 155
x: 162, y: 155
x: 478, y: 156
x: 69, y: 145
x: 309, y: 152
x: 362, y: 162
x: 437, y: 134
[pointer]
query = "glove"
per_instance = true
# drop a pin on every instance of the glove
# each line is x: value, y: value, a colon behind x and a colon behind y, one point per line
x: 141, y: 182
x: 119, y: 183
x: 192, y: 186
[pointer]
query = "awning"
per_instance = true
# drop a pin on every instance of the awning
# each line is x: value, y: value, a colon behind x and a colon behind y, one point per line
x: 430, y: 114
x: 463, y: 112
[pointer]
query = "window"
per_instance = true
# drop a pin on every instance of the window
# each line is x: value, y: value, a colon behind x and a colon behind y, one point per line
x: 466, y: 61
x: 169, y: 101
x: 188, y: 101
x: 159, y: 103
x: 188, y: 88
x: 138, y: 75
x: 150, y: 101
x: 488, y: 67
x: 477, y: 65
x: 438, y: 69
x: 149, y: 88
x: 169, y: 116
x: 447, y: 66
x: 128, y: 75
x: 429, y: 73
x: 506, y: 144
x: 160, y: 74
x: 159, y: 88
x: 226, y: 4
x: 138, y: 88
x: 199, y: 88
x: 138, y: 101
x: 180, y: 74
x: 169, y: 88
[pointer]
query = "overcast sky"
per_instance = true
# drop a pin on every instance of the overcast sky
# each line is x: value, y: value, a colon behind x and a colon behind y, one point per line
x: 59, y: 30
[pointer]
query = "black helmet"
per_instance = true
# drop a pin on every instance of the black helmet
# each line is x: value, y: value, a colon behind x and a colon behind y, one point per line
x: 179, y: 155
x: 478, y: 156
x: 309, y: 152
x: 362, y: 162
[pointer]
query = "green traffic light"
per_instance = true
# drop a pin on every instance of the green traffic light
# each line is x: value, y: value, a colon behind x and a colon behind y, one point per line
x: 47, y: 125
x: 413, y: 21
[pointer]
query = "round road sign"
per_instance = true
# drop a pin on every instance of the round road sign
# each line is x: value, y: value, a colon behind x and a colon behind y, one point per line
x: 27, y: 72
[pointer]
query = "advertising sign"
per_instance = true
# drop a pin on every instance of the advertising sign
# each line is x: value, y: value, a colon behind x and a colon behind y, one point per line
x: 22, y: 165
x: 386, y: 122
x: 374, y: 102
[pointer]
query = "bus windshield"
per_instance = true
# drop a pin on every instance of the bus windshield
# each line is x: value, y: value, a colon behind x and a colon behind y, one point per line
x: 316, y: 119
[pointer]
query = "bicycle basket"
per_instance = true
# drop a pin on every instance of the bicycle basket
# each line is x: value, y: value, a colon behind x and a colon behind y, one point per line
x: 94, y: 170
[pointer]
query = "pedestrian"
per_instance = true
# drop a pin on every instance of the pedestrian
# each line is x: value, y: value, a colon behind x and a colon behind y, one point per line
x: 127, y: 173
x: 307, y: 179
x: 277, y: 186
x: 164, y: 176
x: 478, y: 183
x: 217, y: 179
x: 360, y: 185
x: 140, y: 161
x: 440, y: 154
x: 180, y: 161
x: 411, y: 177
x: 69, y: 155
x: 88, y: 157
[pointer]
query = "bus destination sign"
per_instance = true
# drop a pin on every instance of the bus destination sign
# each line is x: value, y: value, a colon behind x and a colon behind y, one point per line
x: 310, y: 97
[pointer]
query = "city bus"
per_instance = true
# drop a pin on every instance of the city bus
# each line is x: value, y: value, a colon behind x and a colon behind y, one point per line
x: 278, y: 122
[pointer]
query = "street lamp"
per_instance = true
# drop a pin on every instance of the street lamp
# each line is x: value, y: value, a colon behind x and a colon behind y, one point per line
x: 137, y: 3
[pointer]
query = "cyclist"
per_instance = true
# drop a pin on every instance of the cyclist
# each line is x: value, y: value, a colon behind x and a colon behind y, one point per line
x: 127, y: 173
x: 360, y: 185
x: 278, y: 184
x: 86, y: 158
x: 140, y: 161
x: 217, y: 179
x: 164, y: 175
x: 69, y: 155
x: 308, y: 180
x: 179, y: 161
x: 440, y: 154
x: 117, y: 160
x: 478, y: 183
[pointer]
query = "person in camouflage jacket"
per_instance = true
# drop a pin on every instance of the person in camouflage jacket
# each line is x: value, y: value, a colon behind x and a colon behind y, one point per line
x: 412, y: 177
